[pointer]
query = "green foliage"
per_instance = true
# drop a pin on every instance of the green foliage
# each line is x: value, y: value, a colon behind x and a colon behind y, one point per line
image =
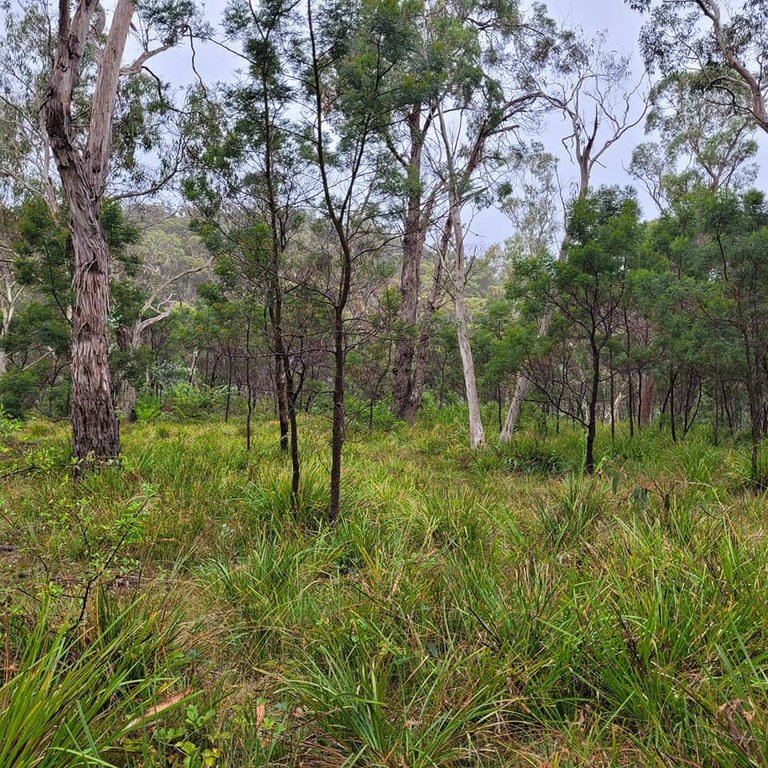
x: 531, y: 454
x: 567, y: 522
x: 186, y: 402
x: 148, y: 408
x: 19, y: 391
x: 72, y: 697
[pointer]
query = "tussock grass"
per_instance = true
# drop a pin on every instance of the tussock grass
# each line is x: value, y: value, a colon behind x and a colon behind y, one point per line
x: 490, y: 608
x: 77, y: 695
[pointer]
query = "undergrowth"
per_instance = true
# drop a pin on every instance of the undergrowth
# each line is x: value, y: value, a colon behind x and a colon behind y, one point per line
x: 488, y: 608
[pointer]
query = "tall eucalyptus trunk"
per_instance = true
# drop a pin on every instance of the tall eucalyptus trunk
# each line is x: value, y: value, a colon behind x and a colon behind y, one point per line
x: 83, y: 171
x: 407, y: 394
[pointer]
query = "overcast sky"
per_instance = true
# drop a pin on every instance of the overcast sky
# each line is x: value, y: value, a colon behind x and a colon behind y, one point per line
x: 622, y: 27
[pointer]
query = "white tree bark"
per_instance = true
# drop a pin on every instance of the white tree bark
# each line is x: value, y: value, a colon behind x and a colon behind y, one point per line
x: 476, y: 432
x: 10, y: 295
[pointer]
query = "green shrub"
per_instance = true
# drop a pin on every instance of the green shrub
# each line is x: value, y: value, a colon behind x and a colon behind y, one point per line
x: 187, y: 402
x: 19, y: 391
x: 148, y: 408
x: 530, y: 454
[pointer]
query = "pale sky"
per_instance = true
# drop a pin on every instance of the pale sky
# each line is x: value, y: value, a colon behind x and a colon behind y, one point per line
x: 622, y: 27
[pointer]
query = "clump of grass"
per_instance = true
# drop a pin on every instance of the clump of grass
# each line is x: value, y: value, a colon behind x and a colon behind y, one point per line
x: 745, y: 475
x: 699, y: 461
x: 73, y: 696
x: 374, y: 706
x: 566, y: 521
x: 269, y: 503
x: 530, y: 454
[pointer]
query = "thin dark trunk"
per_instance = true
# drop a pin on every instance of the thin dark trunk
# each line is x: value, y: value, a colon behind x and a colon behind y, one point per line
x: 612, y: 394
x: 755, y: 406
x: 631, y: 391
x: 229, y: 388
x: 647, y: 396
x: 281, y: 399
x: 337, y: 435
x: 589, y: 464
x: 126, y: 390
x: 695, y: 413
x: 672, y: 378
x: 295, y: 465
x: 687, y: 403
x: 249, y: 393
x: 726, y: 408
x: 282, y: 370
x: 337, y: 217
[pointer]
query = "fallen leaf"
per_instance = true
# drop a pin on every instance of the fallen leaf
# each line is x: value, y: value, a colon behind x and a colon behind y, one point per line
x: 160, y: 707
x: 261, y: 711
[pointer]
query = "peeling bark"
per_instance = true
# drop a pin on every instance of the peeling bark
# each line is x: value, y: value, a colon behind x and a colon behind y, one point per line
x: 83, y: 171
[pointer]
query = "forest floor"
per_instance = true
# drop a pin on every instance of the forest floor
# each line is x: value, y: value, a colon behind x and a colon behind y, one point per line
x: 488, y: 608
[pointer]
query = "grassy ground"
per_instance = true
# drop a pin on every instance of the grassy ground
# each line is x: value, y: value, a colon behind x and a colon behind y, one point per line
x: 469, y: 609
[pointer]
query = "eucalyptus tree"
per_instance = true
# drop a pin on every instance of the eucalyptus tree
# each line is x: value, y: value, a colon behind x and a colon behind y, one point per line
x: 80, y: 126
x: 591, y: 88
x: 716, y: 245
x: 10, y: 290
x: 26, y: 165
x: 588, y: 289
x: 722, y: 46
x: 466, y: 150
x: 436, y: 64
x: 261, y: 104
x: 466, y: 61
x: 479, y: 129
x: 697, y: 143
x: 459, y: 279
x: 145, y: 295
x: 25, y: 158
x: 250, y: 183
x: 37, y: 339
x: 351, y: 49
x: 39, y: 335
